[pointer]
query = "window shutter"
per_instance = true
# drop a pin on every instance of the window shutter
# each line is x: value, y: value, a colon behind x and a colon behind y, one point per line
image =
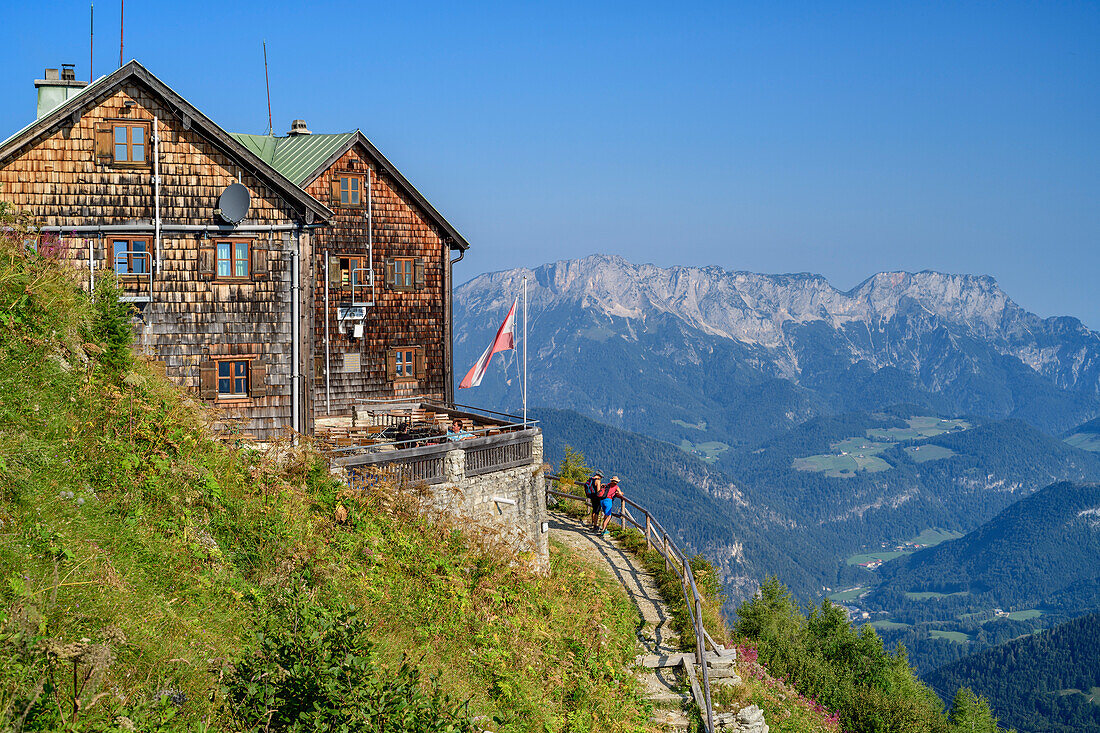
x: 259, y: 263
x: 104, y: 145
x: 207, y: 264
x: 257, y: 378
x: 333, y: 271
x: 208, y: 380
x: 336, y: 191
x: 418, y: 272
x: 391, y: 365
x: 418, y: 362
x: 389, y: 275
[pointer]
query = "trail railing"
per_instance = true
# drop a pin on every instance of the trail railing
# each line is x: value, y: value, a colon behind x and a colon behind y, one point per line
x: 656, y: 537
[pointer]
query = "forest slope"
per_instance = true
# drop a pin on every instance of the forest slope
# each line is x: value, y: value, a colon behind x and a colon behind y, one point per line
x: 1044, y: 683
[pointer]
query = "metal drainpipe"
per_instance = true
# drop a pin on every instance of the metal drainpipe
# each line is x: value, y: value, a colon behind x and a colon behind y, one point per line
x: 295, y: 348
x: 449, y: 388
x: 370, y: 235
x: 328, y: 385
x: 156, y: 191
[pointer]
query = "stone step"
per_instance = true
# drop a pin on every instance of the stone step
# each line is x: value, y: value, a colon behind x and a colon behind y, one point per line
x: 716, y: 672
x: 721, y: 663
x: 670, y: 720
x: 747, y: 720
x: 733, y: 681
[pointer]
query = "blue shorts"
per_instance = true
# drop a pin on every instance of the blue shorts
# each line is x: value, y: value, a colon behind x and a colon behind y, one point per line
x: 605, y: 505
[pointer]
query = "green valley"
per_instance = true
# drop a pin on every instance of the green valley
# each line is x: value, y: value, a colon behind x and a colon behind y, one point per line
x: 856, y: 454
x: 709, y: 451
x: 920, y: 426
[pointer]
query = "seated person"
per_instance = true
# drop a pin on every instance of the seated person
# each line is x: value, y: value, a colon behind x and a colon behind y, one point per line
x: 455, y: 432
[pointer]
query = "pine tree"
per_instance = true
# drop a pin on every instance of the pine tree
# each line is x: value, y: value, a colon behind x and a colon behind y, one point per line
x: 972, y: 714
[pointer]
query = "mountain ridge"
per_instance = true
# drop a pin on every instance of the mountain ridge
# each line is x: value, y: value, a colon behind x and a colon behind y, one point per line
x: 879, y: 291
x: 956, y: 343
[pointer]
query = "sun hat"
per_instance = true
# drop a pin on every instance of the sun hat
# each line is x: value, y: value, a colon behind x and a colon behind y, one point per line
x: 614, y: 480
x: 597, y: 475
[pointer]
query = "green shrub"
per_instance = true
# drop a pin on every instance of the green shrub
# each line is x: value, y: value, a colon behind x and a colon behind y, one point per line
x: 312, y: 669
x: 845, y: 670
x: 111, y: 326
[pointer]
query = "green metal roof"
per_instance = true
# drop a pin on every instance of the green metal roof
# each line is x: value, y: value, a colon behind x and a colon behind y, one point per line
x: 298, y: 156
x: 301, y: 158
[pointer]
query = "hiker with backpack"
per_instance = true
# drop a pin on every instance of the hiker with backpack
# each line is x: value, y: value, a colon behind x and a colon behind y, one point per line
x: 607, y: 496
x: 592, y: 488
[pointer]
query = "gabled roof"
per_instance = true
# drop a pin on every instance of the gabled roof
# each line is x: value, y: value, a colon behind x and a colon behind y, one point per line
x: 300, y: 201
x: 302, y: 158
x: 295, y: 156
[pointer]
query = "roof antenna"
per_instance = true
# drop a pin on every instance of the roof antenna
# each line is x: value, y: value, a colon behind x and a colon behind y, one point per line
x: 121, y: 30
x: 91, y: 42
x: 267, y: 83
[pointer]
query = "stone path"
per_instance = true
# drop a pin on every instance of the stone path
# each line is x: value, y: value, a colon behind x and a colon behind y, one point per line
x: 655, y: 635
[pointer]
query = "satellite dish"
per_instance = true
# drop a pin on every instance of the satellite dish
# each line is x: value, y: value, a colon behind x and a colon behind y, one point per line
x: 233, y: 204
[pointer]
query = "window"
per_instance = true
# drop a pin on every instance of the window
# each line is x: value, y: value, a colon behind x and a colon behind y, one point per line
x: 232, y: 259
x: 404, y: 363
x: 233, y: 379
x: 129, y: 139
x: 351, y: 190
x: 131, y: 256
x: 403, y: 272
x: 353, y: 271
x: 236, y: 377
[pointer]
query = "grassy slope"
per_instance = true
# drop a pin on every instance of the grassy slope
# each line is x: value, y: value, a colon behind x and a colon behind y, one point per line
x: 125, y: 526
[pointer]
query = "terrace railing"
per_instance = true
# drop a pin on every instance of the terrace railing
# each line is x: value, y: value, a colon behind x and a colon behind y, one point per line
x: 413, y: 463
x: 675, y: 560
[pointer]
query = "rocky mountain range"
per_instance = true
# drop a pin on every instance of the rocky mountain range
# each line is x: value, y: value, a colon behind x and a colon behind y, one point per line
x: 749, y: 355
x: 801, y: 430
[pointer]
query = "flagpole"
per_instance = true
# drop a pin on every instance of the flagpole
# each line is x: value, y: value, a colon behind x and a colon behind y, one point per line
x: 524, y: 351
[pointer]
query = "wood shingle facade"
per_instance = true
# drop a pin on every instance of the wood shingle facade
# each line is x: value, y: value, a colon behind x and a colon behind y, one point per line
x: 316, y: 297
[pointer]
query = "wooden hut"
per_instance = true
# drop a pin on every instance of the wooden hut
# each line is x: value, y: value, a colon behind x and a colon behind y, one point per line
x: 130, y: 176
x: 331, y: 284
x: 380, y: 280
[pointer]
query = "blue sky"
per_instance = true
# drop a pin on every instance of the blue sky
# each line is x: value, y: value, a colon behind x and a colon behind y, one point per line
x: 839, y: 138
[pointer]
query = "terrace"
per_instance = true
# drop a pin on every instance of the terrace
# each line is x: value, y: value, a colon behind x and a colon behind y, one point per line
x: 488, y: 471
x: 412, y: 438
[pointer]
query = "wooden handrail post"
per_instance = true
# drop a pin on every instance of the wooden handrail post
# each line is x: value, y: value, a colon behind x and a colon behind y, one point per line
x: 702, y: 652
x: 648, y: 529
x: 664, y: 540
x: 622, y: 513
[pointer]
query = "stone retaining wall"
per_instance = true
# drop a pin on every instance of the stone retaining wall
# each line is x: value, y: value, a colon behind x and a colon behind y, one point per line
x: 510, y: 502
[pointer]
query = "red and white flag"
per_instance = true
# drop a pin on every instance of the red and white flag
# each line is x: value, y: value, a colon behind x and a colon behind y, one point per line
x: 505, y: 341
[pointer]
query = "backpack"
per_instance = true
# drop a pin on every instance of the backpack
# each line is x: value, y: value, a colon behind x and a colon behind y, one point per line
x: 607, y: 491
x: 590, y: 487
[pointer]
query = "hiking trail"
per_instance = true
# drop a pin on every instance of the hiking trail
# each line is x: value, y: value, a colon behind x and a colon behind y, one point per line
x: 655, y: 635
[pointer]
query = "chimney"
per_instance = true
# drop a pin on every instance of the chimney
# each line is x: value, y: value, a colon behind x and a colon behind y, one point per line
x: 57, y: 87
x: 298, y: 127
